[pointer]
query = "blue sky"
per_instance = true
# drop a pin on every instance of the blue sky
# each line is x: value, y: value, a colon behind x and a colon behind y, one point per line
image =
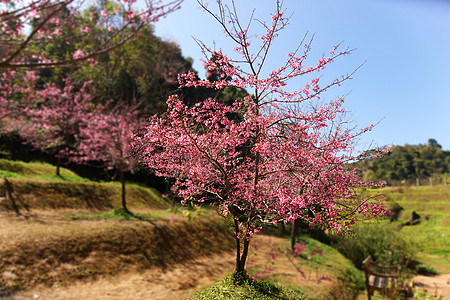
x: 405, y: 44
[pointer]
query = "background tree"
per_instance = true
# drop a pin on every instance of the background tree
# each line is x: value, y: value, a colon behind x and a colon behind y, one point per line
x: 108, y: 138
x: 145, y: 69
x: 409, y: 163
x: 56, y: 119
x: 50, y: 118
x: 27, y: 24
x: 12, y: 89
x: 286, y: 158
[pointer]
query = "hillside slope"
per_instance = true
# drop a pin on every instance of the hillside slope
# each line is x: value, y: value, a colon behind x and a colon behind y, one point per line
x: 35, y: 185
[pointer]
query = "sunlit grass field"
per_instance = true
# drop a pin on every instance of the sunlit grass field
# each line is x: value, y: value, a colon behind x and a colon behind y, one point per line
x: 430, y: 238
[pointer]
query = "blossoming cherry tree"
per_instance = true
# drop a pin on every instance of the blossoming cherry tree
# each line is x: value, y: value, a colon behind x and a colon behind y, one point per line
x: 274, y: 156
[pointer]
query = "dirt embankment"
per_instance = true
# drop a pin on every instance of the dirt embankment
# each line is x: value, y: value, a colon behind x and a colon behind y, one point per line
x: 48, y: 250
x: 177, y: 281
x: 49, y: 257
x: 46, y: 194
x: 181, y: 280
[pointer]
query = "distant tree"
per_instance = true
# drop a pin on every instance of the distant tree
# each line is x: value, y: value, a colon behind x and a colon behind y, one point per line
x: 277, y: 163
x: 145, y: 69
x: 434, y: 144
x: 16, y: 93
x: 409, y: 162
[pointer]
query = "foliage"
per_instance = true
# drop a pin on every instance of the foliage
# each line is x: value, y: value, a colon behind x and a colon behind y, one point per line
x: 246, y: 288
x: 16, y: 94
x: 395, y: 210
x: 144, y: 69
x: 280, y: 160
x: 409, y: 162
x: 107, y: 136
x: 55, y: 118
x: 66, y: 122
x: 385, y: 246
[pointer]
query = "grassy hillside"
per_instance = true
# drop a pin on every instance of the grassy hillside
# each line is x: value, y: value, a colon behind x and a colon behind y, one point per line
x: 431, y: 238
x: 36, y: 186
x: 36, y: 170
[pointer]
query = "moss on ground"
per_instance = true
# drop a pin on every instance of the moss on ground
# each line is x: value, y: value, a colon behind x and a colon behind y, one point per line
x: 231, y: 289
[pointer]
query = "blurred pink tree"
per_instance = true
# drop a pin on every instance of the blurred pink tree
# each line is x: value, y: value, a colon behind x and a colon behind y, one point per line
x: 50, y: 118
x: 26, y: 24
x: 108, y: 137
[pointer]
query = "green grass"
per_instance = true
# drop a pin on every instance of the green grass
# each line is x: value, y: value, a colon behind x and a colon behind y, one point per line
x: 230, y: 289
x: 4, y: 173
x: 117, y: 214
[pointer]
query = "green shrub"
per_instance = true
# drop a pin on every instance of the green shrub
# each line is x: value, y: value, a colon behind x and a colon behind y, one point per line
x: 384, y: 245
x: 395, y: 210
x: 424, y: 269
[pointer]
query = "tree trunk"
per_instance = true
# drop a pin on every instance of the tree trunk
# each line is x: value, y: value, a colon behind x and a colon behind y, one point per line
x: 122, y: 181
x: 9, y: 195
x: 238, y: 244
x: 294, y: 232
x: 240, y: 258
x: 58, y: 166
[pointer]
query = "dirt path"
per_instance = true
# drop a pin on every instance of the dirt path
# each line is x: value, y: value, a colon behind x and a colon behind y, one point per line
x: 434, y: 286
x: 178, y: 282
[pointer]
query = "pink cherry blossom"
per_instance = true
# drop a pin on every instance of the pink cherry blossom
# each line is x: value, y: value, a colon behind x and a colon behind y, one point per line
x: 78, y: 54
